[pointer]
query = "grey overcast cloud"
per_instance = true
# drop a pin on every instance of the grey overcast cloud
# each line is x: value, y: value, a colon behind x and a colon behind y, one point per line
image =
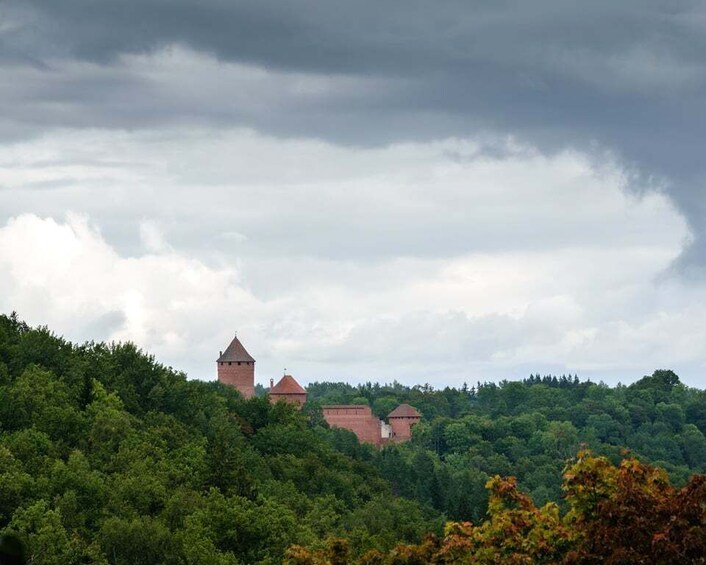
x: 427, y: 191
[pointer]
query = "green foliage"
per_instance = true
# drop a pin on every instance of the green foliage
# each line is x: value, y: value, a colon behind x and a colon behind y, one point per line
x: 528, y: 429
x: 108, y: 457
x: 617, y: 514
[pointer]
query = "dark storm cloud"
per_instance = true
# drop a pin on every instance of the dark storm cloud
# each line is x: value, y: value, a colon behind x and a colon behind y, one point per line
x: 628, y: 75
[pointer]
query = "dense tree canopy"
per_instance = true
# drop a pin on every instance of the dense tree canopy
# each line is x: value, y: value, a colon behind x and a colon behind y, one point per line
x: 528, y: 429
x: 622, y: 514
x: 106, y: 456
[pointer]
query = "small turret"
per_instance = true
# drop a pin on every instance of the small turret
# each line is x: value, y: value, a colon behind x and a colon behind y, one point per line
x: 402, y: 419
x: 287, y: 389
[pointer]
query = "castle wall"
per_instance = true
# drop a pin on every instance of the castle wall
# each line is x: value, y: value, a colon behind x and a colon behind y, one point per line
x: 358, y: 419
x: 239, y: 374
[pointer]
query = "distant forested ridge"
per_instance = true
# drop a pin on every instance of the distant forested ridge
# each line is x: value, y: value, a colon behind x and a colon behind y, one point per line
x: 106, y: 456
x: 528, y: 429
x: 622, y: 514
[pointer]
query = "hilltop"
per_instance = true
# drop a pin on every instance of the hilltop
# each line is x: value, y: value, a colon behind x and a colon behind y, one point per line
x: 107, y: 456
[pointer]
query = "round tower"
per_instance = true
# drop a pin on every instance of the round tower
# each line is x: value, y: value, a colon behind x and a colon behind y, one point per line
x: 402, y: 419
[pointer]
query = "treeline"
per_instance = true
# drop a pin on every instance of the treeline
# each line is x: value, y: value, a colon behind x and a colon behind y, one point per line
x: 106, y: 456
x: 616, y: 514
x: 609, y: 507
x: 528, y: 429
x: 109, y: 457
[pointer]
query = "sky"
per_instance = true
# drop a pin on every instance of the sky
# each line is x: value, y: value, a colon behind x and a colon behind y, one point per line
x: 421, y: 191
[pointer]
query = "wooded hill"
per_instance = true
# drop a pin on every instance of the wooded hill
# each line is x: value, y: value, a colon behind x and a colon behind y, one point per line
x: 106, y: 456
x: 528, y: 429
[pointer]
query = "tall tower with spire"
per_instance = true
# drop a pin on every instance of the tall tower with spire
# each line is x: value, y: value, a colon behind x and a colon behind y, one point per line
x: 236, y: 367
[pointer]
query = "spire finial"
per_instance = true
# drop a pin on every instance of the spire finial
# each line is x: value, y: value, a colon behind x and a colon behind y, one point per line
x: 284, y: 372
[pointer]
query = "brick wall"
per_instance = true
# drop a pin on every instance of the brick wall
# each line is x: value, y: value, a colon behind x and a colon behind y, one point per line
x: 358, y: 419
x: 402, y: 428
x: 241, y: 375
x: 295, y: 398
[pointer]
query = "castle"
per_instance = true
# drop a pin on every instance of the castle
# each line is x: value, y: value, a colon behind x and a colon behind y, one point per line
x: 369, y: 428
x: 236, y: 367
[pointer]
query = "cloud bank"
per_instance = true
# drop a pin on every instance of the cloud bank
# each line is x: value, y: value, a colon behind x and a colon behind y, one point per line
x: 629, y: 76
x: 429, y: 190
x: 326, y: 259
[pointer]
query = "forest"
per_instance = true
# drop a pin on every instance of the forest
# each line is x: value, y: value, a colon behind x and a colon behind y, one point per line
x: 109, y: 457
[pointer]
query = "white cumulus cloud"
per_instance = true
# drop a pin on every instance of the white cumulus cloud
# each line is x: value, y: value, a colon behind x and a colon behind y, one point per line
x: 437, y: 262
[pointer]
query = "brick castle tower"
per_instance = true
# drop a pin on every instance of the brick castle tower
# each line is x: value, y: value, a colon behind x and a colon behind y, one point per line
x: 236, y: 367
x: 287, y: 389
x: 402, y: 419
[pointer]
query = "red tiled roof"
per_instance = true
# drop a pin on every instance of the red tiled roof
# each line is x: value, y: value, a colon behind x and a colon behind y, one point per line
x: 287, y: 385
x: 404, y: 411
x: 235, y: 352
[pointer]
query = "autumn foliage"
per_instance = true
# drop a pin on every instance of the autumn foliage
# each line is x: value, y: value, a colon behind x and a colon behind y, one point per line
x: 617, y: 515
x: 631, y: 514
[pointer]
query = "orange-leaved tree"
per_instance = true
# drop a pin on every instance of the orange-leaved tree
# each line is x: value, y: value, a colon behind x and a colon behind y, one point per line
x: 516, y: 531
x: 631, y: 514
x: 617, y: 515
